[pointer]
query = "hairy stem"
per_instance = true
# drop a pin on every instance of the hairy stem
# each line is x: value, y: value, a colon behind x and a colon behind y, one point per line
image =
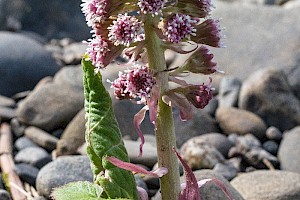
x: 165, y: 133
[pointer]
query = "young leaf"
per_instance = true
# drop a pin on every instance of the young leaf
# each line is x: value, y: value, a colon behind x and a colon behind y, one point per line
x: 104, y: 139
x: 82, y: 190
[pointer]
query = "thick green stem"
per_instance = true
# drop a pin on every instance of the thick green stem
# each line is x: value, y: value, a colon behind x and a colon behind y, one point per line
x: 165, y: 133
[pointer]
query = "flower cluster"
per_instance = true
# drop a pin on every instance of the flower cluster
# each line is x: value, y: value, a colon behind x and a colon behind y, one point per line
x: 125, y: 30
x: 118, y: 28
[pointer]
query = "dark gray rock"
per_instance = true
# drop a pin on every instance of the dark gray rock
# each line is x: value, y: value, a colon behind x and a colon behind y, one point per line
x: 201, y: 123
x: 24, y: 142
x: 70, y: 76
x: 61, y: 171
x: 289, y: 150
x: 27, y: 173
x: 28, y: 62
x: 42, y: 138
x: 4, y: 195
x: 268, y: 94
x: 226, y: 169
x: 233, y: 120
x: 73, y: 136
x: 229, y: 91
x: 273, y: 133
x: 271, y: 147
x: 50, y: 106
x: 35, y: 156
x: 52, y: 19
x: 268, y: 185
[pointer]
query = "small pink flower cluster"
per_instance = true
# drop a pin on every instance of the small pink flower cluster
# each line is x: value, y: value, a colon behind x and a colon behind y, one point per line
x: 134, y: 83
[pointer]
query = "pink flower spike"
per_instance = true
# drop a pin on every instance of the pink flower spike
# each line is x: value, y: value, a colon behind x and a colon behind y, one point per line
x: 191, y: 191
x: 137, y: 169
x: 137, y: 120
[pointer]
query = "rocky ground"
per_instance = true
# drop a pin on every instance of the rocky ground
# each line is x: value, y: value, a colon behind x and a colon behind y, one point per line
x: 247, y: 136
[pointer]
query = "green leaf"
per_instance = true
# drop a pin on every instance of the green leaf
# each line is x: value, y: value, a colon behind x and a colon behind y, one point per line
x: 104, y: 138
x: 82, y: 190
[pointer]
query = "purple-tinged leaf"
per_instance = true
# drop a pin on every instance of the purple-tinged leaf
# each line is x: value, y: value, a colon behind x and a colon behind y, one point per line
x: 137, y: 120
x: 137, y: 169
x: 191, y: 191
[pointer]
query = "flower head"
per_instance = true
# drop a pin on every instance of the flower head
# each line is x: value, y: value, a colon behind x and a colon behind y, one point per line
x: 97, y: 50
x: 101, y: 51
x: 179, y: 26
x: 199, y: 62
x: 209, y: 33
x: 94, y: 10
x: 199, y: 95
x: 134, y: 83
x: 125, y: 30
x: 151, y: 6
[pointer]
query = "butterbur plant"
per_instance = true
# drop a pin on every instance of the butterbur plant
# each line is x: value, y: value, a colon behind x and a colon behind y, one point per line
x: 141, y: 31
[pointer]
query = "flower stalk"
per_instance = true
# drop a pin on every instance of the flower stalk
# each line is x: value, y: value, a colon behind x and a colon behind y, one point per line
x: 165, y: 133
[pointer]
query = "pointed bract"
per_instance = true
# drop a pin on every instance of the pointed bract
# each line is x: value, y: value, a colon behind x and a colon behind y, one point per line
x: 137, y: 169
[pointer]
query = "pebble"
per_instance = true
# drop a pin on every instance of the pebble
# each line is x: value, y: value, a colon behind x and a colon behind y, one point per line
x: 17, y: 127
x: 26, y: 172
x: 73, y: 136
x: 293, y: 75
x: 226, y: 169
x: 273, y: 133
x: 59, y: 110
x: 271, y: 147
x: 4, y: 195
x: 241, y: 122
x: 28, y: 62
x: 201, y: 123
x: 201, y: 156
x: 268, y: 185
x: 289, y: 150
x: 61, y: 171
x: 217, y: 140
x: 42, y: 138
x: 24, y: 142
x: 7, y: 113
x: 7, y: 102
x: 35, y: 156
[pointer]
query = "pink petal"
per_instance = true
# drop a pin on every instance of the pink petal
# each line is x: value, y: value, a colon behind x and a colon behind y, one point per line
x: 191, y: 191
x: 137, y: 120
x: 143, y: 194
x: 135, y: 168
